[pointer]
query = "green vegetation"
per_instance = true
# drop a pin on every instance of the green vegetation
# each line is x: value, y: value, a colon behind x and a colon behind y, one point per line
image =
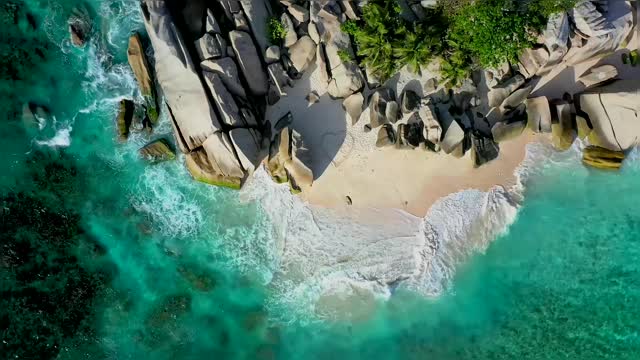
x: 345, y: 56
x: 462, y: 34
x: 276, y: 30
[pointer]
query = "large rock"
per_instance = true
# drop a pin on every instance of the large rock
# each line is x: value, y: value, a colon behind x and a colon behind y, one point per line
x: 483, y: 150
x: 503, y: 131
x: 386, y: 136
x: 353, y: 105
x: 212, y: 25
x: 183, y: 90
x: 589, y: 21
x: 410, y: 135
x: 392, y: 112
x: 346, y: 77
x: 124, y: 119
x: 201, y: 169
x: 224, y: 101
x: 227, y: 69
x: 432, y: 128
x: 247, y: 149
x: 602, y: 158
x: 516, y: 98
x: 614, y: 113
x: 211, y: 46
x: 583, y: 127
x: 249, y: 62
x: 453, y: 137
x: 378, y: 106
x: 499, y: 93
x: 284, y: 165
x: 562, y: 132
x: 300, y: 13
x: 272, y: 54
x: 140, y: 67
x: 258, y: 12
x: 221, y: 155
x: 302, y: 53
x: 598, y: 75
x: 539, y: 114
x: 556, y: 35
x: 410, y: 101
x: 290, y: 37
x: 321, y: 62
x: 157, y: 151
x: 532, y: 60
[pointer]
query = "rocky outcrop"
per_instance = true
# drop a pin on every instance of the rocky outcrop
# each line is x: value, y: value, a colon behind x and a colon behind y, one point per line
x: 353, y: 105
x: 227, y: 70
x: 124, y: 119
x: 258, y: 13
x: 562, y: 132
x: 211, y: 46
x: 602, y: 158
x: 556, y: 35
x: 598, y: 75
x: 589, y: 21
x: 531, y: 60
x: 503, y: 131
x: 483, y: 150
x: 249, y: 62
x: 346, y: 76
x: 284, y: 163
x: 499, y: 93
x: 80, y: 25
x: 614, y: 112
x: 157, y: 151
x: 539, y: 114
x: 140, y: 67
x: 302, y: 53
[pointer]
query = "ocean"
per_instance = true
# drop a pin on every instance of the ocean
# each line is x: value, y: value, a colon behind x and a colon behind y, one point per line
x: 107, y: 257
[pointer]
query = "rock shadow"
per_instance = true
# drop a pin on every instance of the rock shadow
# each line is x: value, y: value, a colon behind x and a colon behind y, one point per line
x: 322, y: 126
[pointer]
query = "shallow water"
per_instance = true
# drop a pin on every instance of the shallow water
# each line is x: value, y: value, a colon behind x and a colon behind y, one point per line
x: 148, y: 264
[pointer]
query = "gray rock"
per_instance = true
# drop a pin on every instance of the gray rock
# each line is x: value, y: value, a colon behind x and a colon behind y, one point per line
x: 411, y: 134
x: 532, y: 60
x: 539, y: 114
x: 453, y: 137
x: 227, y: 69
x: 258, y: 12
x: 346, y: 76
x: 349, y: 9
x: 503, y: 131
x: 312, y: 98
x: 299, y: 13
x: 220, y: 154
x: 499, y: 93
x: 321, y: 63
x: 589, y: 21
x: 302, y: 53
x: 279, y: 78
x: 284, y: 165
x: 240, y: 21
x: 157, y: 151
x: 291, y: 37
x: 212, y: 23
x: 598, y: 75
x: 249, y: 62
x: 430, y: 86
x: 211, y: 46
x: 556, y: 35
x: 378, y: 107
x: 517, y: 97
x: 386, y: 136
x: 272, y: 54
x: 410, y: 101
x: 483, y: 150
x: 247, y: 149
x: 432, y: 128
x: 562, y: 132
x: 353, y: 105
x: 312, y: 29
x: 224, y: 101
x: 392, y: 111
x: 230, y: 7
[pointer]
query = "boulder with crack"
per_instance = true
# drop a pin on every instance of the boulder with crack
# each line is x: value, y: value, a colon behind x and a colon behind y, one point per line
x: 499, y: 93
x: 539, y: 114
x: 614, y: 112
x: 227, y: 69
x: 284, y: 163
x: 346, y: 76
x: 249, y: 62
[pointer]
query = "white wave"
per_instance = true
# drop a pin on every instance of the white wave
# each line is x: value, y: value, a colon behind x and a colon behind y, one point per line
x: 62, y: 138
x: 322, y: 252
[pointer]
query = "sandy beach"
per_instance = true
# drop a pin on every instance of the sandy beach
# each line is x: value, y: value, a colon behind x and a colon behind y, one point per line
x: 346, y: 162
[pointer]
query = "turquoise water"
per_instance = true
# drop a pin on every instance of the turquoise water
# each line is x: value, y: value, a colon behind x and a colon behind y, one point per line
x: 104, y: 256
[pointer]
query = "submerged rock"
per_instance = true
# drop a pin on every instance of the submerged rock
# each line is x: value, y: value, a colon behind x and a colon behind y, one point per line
x: 124, y: 119
x: 80, y: 26
x: 601, y: 158
x: 141, y: 70
x: 157, y: 151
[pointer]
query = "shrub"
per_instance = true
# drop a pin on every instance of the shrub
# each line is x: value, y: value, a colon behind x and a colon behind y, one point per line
x: 276, y: 30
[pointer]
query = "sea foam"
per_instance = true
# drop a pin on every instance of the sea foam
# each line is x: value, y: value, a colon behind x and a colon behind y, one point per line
x: 324, y: 252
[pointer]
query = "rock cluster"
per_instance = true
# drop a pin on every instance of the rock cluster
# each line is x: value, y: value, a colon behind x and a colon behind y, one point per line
x: 218, y: 74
